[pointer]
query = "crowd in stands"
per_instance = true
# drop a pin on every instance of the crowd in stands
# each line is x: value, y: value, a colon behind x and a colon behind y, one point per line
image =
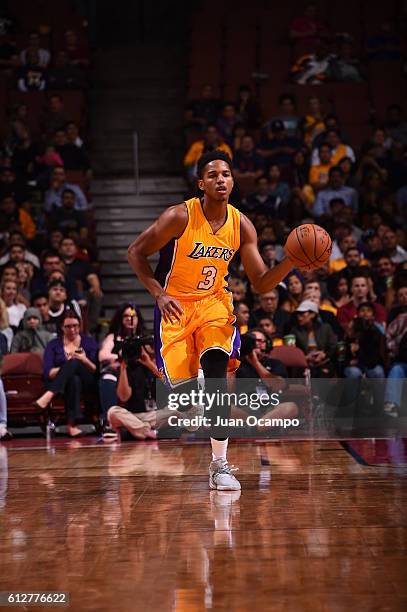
x: 349, y: 317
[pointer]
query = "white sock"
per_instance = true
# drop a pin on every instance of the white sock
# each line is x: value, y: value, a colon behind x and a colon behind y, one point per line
x: 219, y: 448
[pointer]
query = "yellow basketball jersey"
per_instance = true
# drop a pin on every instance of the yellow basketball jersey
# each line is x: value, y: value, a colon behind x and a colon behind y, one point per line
x: 196, y: 264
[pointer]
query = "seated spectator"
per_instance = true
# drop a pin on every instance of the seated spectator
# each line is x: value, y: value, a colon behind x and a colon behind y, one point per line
x: 261, y: 200
x: 32, y: 76
x: 384, y: 269
x: 17, y: 252
x: 86, y: 280
x: 4, y: 432
x: 46, y: 162
x: 268, y: 327
x: 338, y: 289
x: 276, y: 146
x: 55, y: 117
x: 14, y: 218
x: 316, y: 339
x: 57, y: 305
x: 242, y: 313
x: 396, y: 125
x: 238, y: 289
x: 346, y: 165
x: 312, y: 291
x: 25, y: 271
x: 212, y: 141
x: 247, y: 109
x: 334, y: 189
x: 247, y: 162
x: 9, y: 273
x: 50, y: 262
x: 279, y: 191
x: 66, y: 219
x: 69, y: 369
x: 351, y: 261
x: 269, y: 308
x: 73, y: 136
x: 76, y: 50
x: 384, y: 45
x: 307, y: 28
x: 338, y: 149
x: 34, y: 44
x: 319, y: 173
x: 24, y: 156
x: 204, y: 110
x: 396, y: 340
x: 400, y: 304
x: 345, y: 66
x: 271, y: 253
x: 295, y: 289
x: 15, y: 309
x: 313, y: 123
x: 372, y: 244
x: 5, y: 329
x: 226, y: 122
x: 313, y: 68
x: 32, y: 338
x: 58, y: 184
x: 10, y: 186
x: 390, y: 244
x: 40, y: 302
x: 73, y: 157
x: 64, y: 75
x: 288, y: 115
x: 360, y: 293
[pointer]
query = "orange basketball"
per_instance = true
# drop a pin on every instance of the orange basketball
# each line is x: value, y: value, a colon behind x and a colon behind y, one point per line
x: 308, y: 246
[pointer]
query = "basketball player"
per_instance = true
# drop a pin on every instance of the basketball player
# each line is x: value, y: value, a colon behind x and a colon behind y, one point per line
x: 194, y: 320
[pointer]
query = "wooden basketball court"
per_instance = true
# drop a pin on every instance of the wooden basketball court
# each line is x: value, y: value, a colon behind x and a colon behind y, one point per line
x: 319, y: 526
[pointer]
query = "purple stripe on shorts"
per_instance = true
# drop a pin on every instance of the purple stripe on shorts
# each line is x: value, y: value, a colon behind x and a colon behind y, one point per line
x: 236, y: 345
x: 157, y: 338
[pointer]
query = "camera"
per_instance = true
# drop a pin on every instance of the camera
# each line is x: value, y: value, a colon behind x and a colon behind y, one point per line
x: 131, y: 346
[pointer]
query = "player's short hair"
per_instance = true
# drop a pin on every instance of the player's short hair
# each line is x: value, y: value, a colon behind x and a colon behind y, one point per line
x: 210, y: 157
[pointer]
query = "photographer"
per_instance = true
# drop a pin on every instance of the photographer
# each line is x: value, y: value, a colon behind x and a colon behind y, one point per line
x: 263, y: 375
x: 127, y: 370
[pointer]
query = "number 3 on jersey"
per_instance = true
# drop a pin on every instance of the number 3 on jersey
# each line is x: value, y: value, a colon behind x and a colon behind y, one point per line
x: 210, y: 273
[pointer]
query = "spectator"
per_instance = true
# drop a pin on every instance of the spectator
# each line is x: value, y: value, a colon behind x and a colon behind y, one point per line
x: 25, y: 271
x: 72, y: 135
x: 307, y: 28
x: 400, y: 305
x: 338, y: 288
x: 261, y: 200
x: 211, y: 142
x: 4, y: 432
x: 24, y: 156
x: 64, y: 75
x: 334, y: 189
x: 238, y: 289
x: 34, y: 45
x: 246, y: 162
x: 57, y: 305
x: 5, y: 329
x: 77, y: 52
x: 73, y: 157
x: 15, y: 309
x: 50, y: 262
x: 271, y: 253
x: 56, y: 117
x: 40, y: 302
x: 69, y: 369
x: 247, y: 108
x: 316, y: 339
x: 359, y: 294
x: 17, y: 252
x: 53, y: 196
x: 86, y: 280
x: 384, y: 45
x: 395, y: 251
x: 396, y: 125
x: 295, y: 289
x: 67, y: 219
x: 204, y: 110
x: 268, y: 327
x: 345, y: 66
x: 9, y: 273
x: 10, y: 186
x: 319, y: 173
x: 279, y: 191
x: 276, y: 146
x: 242, y: 313
x: 288, y: 114
x: 338, y: 149
x: 226, y: 122
x: 16, y: 218
x: 384, y: 269
x: 32, y: 338
x: 32, y: 77
x: 269, y: 308
x: 371, y: 244
x: 351, y: 261
x: 313, y: 123
x: 396, y: 339
x: 313, y: 68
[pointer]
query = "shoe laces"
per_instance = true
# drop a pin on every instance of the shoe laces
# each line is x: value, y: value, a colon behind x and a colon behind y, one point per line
x: 225, y: 468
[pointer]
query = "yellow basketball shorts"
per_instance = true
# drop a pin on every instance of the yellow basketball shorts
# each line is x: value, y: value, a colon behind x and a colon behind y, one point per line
x: 207, y: 323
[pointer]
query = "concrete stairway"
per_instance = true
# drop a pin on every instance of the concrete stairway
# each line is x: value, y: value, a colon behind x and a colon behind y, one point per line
x: 121, y: 216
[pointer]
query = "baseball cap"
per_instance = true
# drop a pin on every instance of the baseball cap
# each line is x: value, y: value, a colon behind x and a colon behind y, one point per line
x: 277, y: 125
x: 307, y: 305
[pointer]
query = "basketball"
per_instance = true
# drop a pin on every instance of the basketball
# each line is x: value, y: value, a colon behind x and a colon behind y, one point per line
x: 309, y: 246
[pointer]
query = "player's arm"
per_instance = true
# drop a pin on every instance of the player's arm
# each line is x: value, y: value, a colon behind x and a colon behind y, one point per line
x: 169, y: 225
x: 261, y: 277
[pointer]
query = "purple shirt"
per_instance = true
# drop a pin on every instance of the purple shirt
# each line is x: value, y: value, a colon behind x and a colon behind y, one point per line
x: 54, y: 355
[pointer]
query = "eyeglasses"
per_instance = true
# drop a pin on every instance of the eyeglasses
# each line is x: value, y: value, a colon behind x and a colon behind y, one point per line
x: 73, y: 326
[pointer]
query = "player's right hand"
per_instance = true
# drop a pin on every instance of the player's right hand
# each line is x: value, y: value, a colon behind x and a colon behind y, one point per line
x: 169, y: 308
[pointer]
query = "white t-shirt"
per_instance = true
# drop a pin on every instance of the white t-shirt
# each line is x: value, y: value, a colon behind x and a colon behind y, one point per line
x: 15, y: 314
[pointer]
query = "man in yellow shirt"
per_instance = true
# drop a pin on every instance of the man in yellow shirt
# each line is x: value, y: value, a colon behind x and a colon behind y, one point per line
x: 319, y: 174
x: 211, y: 142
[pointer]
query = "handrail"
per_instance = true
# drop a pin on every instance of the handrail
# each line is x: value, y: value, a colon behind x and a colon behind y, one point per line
x: 136, y: 162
